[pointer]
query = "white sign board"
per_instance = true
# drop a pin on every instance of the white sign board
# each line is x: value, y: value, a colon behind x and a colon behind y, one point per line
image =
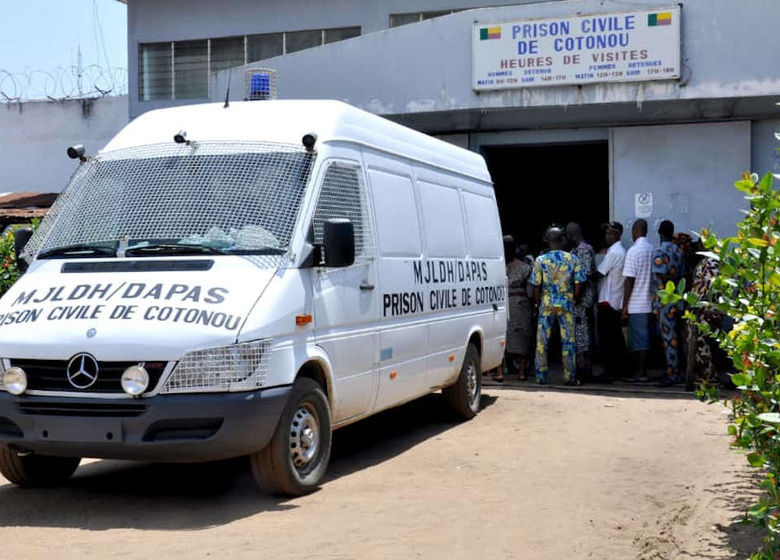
x: 643, y: 205
x: 618, y: 47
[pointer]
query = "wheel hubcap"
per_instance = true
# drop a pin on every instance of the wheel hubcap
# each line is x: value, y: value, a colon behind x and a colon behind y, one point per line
x: 472, y: 381
x: 304, y: 437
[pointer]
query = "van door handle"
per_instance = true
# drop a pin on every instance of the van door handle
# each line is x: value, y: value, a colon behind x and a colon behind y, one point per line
x: 495, y: 307
x: 366, y: 286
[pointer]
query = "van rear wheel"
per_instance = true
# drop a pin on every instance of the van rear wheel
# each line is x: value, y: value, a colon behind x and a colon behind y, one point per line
x: 464, y: 396
x: 29, y: 469
x: 295, y: 460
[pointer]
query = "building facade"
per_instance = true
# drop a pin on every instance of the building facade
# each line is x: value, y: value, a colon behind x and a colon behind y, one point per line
x: 585, y: 110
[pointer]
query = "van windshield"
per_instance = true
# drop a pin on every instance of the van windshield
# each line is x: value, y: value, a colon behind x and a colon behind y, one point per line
x: 211, y: 198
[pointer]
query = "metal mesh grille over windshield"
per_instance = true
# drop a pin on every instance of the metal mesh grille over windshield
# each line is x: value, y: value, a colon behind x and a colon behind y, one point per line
x: 232, y: 197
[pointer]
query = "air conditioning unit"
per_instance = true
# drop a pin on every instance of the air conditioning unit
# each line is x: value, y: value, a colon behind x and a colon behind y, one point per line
x: 260, y: 84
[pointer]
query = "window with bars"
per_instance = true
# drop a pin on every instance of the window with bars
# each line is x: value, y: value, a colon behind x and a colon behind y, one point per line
x: 300, y: 40
x: 266, y: 45
x: 342, y: 197
x: 396, y: 20
x: 341, y: 33
x: 180, y: 69
x: 226, y: 52
x: 155, y: 74
x: 190, y: 69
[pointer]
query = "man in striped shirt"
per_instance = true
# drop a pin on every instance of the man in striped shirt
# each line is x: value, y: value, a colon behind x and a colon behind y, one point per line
x: 638, y: 296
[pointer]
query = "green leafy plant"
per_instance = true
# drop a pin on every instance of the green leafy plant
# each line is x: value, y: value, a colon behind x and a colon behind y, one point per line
x: 747, y: 289
x: 9, y: 272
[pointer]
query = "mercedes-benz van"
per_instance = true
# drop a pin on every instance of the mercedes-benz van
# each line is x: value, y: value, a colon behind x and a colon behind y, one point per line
x: 239, y: 281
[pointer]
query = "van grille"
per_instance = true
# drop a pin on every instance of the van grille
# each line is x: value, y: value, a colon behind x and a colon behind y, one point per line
x: 51, y: 375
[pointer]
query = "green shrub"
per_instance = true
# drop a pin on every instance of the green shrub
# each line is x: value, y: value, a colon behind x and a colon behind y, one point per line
x: 748, y: 290
x: 9, y: 272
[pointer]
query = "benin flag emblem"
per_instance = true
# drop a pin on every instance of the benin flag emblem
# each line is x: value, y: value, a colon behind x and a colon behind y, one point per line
x: 486, y: 33
x: 663, y: 18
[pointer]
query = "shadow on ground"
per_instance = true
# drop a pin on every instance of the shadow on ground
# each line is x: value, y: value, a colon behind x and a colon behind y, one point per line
x: 115, y: 494
x: 740, y: 537
x: 617, y: 389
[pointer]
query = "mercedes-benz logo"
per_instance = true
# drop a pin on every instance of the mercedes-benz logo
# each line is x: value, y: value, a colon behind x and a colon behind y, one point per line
x: 82, y: 371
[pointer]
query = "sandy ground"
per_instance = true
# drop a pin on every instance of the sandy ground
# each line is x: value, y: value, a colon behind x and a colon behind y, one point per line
x: 537, y: 475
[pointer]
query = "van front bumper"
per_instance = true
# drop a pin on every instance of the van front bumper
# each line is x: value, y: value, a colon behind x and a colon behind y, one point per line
x: 164, y: 428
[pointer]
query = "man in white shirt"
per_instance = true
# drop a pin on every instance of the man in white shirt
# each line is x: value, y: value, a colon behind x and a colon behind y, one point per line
x: 638, y: 297
x: 610, y: 274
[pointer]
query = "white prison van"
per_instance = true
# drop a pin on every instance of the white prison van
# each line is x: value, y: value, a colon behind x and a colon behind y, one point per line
x: 239, y: 281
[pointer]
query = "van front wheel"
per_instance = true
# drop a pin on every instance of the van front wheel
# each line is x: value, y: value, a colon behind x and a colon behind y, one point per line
x: 464, y: 396
x: 296, y: 458
x: 29, y: 469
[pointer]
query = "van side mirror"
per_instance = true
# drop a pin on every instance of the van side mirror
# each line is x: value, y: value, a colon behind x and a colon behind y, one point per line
x: 21, y: 237
x: 338, y: 242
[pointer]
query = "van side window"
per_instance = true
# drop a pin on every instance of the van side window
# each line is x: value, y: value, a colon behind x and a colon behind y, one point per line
x: 444, y: 232
x: 396, y: 214
x: 342, y: 197
x: 482, y: 226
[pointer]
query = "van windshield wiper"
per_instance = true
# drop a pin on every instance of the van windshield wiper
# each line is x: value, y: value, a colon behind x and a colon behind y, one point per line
x: 262, y: 251
x: 78, y: 250
x: 172, y: 249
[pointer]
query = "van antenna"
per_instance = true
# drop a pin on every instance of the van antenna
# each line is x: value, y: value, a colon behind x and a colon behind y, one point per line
x: 227, y: 93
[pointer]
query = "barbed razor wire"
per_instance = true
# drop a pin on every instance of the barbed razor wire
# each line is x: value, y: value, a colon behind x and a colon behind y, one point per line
x: 72, y: 82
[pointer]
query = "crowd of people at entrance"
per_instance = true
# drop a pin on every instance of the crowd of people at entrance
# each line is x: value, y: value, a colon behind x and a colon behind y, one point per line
x: 605, y: 305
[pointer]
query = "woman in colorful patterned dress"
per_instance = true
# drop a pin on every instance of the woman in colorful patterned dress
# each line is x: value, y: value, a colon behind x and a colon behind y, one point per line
x: 583, y: 308
x: 520, y: 317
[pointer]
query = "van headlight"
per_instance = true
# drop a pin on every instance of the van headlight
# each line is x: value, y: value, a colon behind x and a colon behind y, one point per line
x: 238, y: 367
x: 15, y: 380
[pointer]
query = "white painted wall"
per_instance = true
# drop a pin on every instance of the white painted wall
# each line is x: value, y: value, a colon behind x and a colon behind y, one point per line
x: 151, y: 21
x: 690, y: 170
x: 34, y: 136
x: 426, y: 67
x: 765, y: 145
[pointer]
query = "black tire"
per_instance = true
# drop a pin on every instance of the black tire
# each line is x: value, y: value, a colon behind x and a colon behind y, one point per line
x: 31, y: 470
x: 280, y: 468
x: 464, y: 396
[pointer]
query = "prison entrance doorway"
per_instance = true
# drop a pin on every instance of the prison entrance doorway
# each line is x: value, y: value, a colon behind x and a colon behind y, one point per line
x: 540, y: 185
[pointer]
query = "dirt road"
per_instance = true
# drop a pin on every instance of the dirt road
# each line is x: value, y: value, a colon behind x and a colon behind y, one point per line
x: 537, y: 475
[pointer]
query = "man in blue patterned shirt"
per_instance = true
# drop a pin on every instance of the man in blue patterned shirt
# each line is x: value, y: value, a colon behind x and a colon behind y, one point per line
x: 557, y: 279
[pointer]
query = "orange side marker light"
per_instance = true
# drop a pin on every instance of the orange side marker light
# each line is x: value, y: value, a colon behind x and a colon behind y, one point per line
x: 393, y: 375
x: 301, y: 320
x: 451, y: 357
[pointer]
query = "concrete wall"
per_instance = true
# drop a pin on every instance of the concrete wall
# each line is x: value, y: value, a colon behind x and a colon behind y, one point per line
x: 764, y: 147
x: 176, y: 20
x: 689, y: 170
x: 34, y: 136
x: 727, y: 53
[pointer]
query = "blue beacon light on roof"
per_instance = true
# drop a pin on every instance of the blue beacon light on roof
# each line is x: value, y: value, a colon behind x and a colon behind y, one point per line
x: 260, y: 86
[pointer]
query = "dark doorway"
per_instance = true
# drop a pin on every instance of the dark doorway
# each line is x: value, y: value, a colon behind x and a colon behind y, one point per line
x: 540, y: 185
